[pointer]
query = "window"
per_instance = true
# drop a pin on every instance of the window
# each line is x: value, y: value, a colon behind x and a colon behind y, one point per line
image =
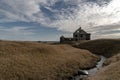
x: 76, y: 36
x: 81, y: 35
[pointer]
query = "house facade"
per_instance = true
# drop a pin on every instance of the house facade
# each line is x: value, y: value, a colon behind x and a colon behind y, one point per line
x: 78, y: 35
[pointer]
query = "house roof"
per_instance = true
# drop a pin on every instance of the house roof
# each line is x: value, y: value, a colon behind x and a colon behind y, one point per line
x: 80, y: 31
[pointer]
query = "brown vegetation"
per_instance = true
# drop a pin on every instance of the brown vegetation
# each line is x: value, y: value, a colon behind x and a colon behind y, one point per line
x: 113, y: 59
x: 105, y: 47
x: 37, y: 61
x: 109, y: 48
x: 111, y: 70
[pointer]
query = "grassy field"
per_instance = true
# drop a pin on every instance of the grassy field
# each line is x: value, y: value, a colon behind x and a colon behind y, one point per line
x: 37, y: 61
x: 109, y: 48
x: 106, y: 47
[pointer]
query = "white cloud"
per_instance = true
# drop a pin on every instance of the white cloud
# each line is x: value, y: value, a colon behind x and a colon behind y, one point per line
x: 93, y: 18
x: 25, y: 34
x: 90, y: 15
x: 19, y: 10
x: 16, y: 31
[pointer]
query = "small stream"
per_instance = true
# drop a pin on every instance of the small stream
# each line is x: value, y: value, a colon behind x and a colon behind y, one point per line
x: 91, y: 71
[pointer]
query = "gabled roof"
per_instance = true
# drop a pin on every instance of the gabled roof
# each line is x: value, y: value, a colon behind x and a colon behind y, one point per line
x: 62, y: 36
x: 80, y: 31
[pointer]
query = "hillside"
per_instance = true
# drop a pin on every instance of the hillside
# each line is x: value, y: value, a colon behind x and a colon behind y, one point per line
x: 37, y: 61
x: 105, y: 47
x: 111, y: 70
x: 109, y: 48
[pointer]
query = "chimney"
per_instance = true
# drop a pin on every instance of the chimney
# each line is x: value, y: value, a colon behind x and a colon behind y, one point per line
x: 80, y: 28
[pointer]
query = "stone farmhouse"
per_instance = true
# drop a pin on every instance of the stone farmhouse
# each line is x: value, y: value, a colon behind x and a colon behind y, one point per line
x: 78, y: 35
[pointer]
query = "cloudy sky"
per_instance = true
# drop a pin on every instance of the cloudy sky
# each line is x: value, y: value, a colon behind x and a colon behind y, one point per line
x: 48, y: 19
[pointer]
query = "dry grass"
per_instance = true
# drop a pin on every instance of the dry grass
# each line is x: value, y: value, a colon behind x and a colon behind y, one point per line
x: 106, y: 47
x: 111, y: 71
x: 112, y: 59
x: 37, y: 61
x: 109, y: 48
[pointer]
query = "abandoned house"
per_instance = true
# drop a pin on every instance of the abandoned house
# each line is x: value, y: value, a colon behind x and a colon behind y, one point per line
x: 78, y: 35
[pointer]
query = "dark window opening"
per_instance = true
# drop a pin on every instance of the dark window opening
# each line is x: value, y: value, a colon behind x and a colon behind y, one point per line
x: 81, y: 35
x: 75, y: 35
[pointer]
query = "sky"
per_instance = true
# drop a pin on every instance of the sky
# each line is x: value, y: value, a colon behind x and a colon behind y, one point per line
x: 47, y: 20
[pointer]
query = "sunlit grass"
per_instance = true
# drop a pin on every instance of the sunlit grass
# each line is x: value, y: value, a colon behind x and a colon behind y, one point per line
x: 37, y: 61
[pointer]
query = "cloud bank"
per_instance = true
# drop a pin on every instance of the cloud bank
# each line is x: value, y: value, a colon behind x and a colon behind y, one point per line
x: 99, y: 17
